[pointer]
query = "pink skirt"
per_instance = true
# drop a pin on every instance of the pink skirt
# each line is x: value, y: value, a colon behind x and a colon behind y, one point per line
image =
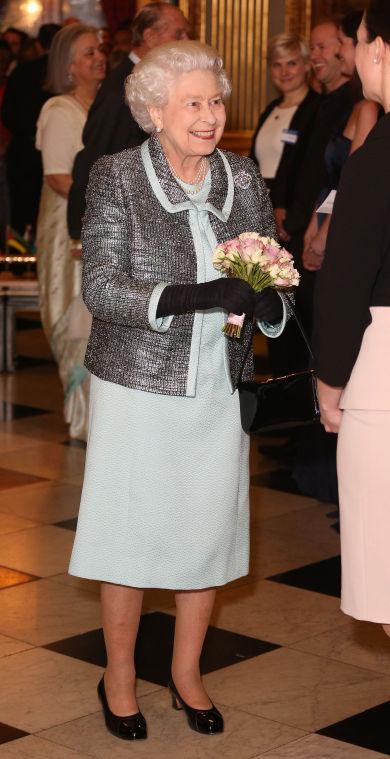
x: 363, y: 465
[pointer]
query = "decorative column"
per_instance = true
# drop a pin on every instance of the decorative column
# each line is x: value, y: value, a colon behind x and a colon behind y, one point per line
x: 298, y: 15
x: 239, y: 31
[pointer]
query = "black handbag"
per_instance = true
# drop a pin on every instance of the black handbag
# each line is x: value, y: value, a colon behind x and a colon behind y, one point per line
x: 280, y: 403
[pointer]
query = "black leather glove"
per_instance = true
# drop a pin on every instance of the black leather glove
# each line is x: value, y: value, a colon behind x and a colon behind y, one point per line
x: 268, y: 306
x: 233, y: 295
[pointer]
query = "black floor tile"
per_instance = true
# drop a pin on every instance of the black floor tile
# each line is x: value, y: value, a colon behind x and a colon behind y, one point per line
x: 29, y: 362
x: 11, y: 411
x: 276, y: 479
x: 8, y: 733
x: 23, y: 323
x: 322, y: 577
x: 87, y: 647
x: 67, y: 524
x: 73, y: 443
x: 369, y: 729
x: 154, y: 648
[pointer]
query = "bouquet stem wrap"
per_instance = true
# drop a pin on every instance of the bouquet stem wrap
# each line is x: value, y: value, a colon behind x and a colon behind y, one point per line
x: 258, y: 260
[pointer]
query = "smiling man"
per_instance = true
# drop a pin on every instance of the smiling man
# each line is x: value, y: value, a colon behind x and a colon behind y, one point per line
x: 332, y: 115
x: 324, y: 49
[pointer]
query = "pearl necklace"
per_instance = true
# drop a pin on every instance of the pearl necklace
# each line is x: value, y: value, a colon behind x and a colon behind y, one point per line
x: 198, y: 182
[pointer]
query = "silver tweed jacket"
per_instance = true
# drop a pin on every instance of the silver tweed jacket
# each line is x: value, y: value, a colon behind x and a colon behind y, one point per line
x: 136, y: 239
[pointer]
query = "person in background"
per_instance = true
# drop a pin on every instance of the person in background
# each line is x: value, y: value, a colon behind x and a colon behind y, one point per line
x: 28, y: 51
x: 14, y: 38
x: 280, y: 142
x: 122, y: 45
x: 105, y: 40
x: 76, y: 68
x: 332, y: 115
x: 23, y: 99
x: 122, y: 39
x: 362, y: 119
x: 351, y: 340
x: 284, y: 127
x: 165, y: 496
x: 110, y: 127
x: 314, y: 469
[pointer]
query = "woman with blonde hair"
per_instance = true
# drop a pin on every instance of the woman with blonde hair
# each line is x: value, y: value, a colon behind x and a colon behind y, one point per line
x: 280, y: 138
x: 280, y: 144
x: 76, y: 68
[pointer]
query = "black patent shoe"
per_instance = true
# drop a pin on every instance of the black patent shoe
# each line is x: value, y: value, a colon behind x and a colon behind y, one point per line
x: 206, y: 721
x: 132, y: 728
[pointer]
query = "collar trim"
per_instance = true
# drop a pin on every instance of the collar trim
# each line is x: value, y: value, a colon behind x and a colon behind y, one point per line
x: 172, y: 196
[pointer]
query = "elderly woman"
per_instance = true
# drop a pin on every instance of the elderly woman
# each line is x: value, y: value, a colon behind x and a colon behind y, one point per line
x: 76, y: 68
x: 165, y: 497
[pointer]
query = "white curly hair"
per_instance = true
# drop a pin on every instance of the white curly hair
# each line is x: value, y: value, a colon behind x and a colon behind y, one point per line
x: 149, y: 83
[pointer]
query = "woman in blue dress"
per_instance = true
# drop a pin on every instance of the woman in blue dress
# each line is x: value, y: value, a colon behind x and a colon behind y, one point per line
x: 165, y: 497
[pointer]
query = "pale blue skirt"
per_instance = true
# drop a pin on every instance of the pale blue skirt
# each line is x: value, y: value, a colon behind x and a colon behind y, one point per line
x: 165, y: 501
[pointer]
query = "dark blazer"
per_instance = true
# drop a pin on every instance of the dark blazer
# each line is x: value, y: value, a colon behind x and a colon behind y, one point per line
x: 356, y: 271
x: 283, y: 186
x: 109, y: 129
x: 23, y: 99
x: 331, y: 117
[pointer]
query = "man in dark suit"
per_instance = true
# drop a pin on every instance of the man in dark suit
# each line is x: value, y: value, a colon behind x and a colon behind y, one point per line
x: 23, y: 99
x: 110, y: 126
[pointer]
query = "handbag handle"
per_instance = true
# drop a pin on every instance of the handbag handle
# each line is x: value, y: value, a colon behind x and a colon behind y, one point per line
x: 300, y: 327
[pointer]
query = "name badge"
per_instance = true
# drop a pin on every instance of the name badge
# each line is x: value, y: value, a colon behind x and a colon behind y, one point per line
x: 327, y: 205
x: 290, y: 136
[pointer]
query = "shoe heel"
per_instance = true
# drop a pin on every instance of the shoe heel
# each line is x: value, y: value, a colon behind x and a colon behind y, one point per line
x: 175, y: 703
x: 206, y: 721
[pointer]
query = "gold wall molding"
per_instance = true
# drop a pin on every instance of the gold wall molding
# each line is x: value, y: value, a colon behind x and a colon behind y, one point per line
x: 238, y: 29
x: 298, y: 15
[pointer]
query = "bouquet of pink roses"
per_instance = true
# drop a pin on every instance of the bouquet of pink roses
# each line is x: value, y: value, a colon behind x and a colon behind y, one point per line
x: 261, y: 261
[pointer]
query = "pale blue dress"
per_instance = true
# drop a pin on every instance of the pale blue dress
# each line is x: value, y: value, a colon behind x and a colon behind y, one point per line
x: 165, y: 500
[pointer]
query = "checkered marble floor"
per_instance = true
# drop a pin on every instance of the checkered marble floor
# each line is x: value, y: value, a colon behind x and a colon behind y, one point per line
x: 294, y: 677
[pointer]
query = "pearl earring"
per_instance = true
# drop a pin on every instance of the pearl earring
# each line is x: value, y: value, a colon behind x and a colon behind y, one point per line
x: 376, y: 60
x: 158, y: 129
